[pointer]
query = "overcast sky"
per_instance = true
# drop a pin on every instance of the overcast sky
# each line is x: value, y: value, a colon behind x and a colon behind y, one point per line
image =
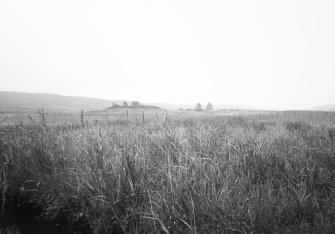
x: 267, y: 54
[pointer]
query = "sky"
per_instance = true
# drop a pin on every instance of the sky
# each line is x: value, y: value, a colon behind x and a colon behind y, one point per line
x: 265, y: 54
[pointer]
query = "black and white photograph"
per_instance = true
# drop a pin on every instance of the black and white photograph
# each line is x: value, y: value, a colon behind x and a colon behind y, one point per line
x: 167, y: 116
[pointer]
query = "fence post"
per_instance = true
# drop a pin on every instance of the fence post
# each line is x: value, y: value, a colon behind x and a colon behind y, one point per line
x: 156, y: 115
x: 82, y: 118
x: 227, y: 151
x: 107, y: 118
x: 44, y: 122
x: 142, y: 116
x: 165, y: 117
x: 127, y: 113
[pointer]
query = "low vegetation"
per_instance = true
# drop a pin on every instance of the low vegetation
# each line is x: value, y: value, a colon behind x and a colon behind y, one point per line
x: 269, y: 173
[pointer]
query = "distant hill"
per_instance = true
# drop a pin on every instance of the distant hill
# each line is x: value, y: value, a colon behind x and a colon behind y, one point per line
x: 52, y: 101
x: 330, y: 107
x: 23, y: 100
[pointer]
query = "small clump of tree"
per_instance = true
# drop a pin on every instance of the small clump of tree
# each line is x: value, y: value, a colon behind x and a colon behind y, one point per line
x: 198, y: 107
x: 125, y: 104
x: 209, y: 107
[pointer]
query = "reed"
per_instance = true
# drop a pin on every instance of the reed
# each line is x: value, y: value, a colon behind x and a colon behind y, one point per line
x: 201, y: 174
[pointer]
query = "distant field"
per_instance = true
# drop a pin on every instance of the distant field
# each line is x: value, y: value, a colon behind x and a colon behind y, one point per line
x: 10, y: 116
x: 197, y: 172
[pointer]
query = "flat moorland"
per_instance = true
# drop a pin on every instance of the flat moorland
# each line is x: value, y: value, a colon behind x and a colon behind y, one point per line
x: 261, y: 173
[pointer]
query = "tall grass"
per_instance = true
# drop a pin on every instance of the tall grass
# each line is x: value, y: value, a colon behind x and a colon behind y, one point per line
x: 207, y: 174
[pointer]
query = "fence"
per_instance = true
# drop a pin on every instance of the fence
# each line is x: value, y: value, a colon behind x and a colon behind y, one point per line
x: 51, y: 117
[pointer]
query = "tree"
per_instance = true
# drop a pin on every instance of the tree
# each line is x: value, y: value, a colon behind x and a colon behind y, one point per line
x: 198, y: 107
x: 125, y: 104
x: 209, y: 106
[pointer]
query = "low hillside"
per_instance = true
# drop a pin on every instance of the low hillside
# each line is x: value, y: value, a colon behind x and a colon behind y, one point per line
x: 51, y: 101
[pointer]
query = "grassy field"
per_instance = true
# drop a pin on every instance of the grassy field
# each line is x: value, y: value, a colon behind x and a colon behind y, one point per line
x: 203, y: 173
